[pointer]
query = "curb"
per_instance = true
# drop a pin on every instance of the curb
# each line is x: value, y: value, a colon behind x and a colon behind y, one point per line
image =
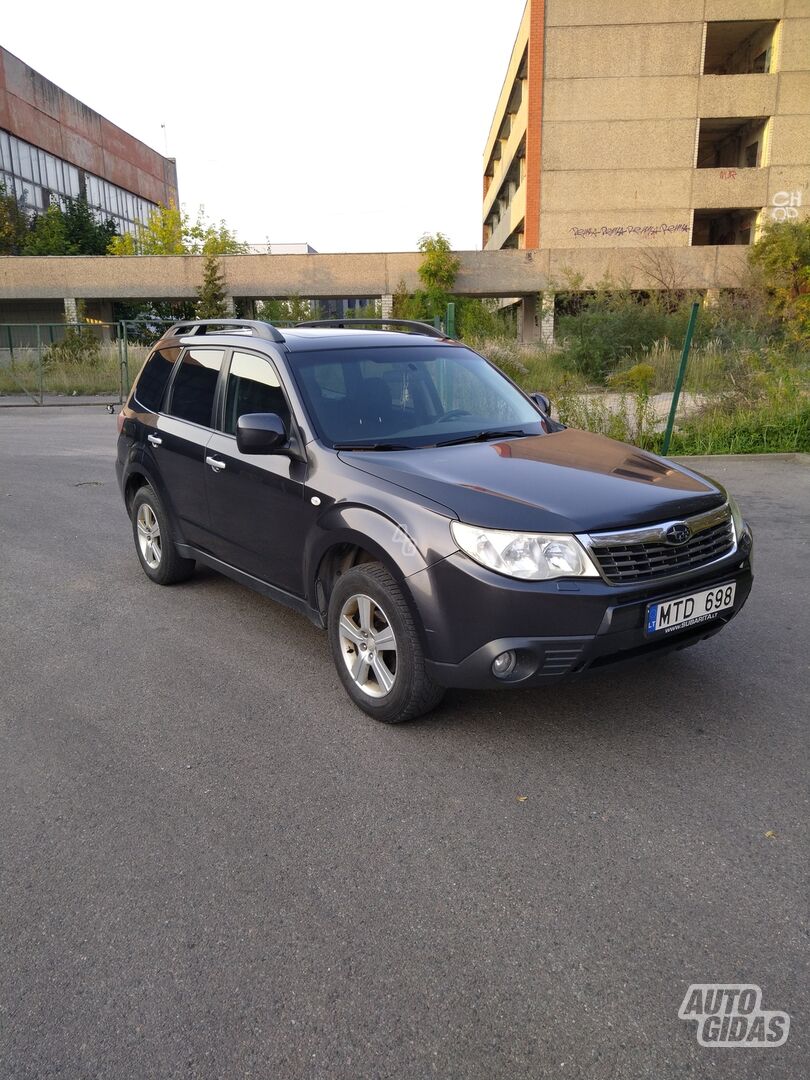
x: 799, y: 458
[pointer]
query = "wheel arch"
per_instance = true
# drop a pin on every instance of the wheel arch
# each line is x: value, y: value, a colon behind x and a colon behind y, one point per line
x: 137, y: 475
x: 359, y: 535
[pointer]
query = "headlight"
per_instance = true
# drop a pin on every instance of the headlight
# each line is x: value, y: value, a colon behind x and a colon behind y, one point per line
x: 736, y: 517
x: 531, y: 556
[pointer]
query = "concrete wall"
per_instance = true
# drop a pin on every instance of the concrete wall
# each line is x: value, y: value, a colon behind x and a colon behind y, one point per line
x: 622, y: 100
x: 482, y: 273
x: 40, y: 112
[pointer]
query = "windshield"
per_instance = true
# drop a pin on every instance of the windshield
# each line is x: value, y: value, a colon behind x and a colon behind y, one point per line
x: 409, y: 396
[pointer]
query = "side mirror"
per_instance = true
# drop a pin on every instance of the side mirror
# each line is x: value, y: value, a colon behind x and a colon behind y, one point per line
x: 260, y: 433
x: 542, y: 402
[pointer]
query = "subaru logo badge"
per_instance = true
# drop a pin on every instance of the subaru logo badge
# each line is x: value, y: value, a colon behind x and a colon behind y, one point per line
x: 678, y: 533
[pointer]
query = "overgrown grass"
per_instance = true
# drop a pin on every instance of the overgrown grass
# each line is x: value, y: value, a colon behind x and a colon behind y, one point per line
x: 736, y: 399
x: 759, y: 430
x: 96, y: 372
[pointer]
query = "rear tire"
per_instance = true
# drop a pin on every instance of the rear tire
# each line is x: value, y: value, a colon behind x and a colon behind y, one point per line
x: 154, y: 541
x: 376, y: 647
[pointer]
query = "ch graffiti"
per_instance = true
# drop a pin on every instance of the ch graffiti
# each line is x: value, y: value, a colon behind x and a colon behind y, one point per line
x: 785, y: 205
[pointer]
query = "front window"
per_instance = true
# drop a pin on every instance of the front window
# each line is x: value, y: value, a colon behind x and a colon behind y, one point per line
x: 409, y: 396
x: 253, y: 387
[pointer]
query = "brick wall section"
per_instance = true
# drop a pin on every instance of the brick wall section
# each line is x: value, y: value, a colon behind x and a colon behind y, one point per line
x: 534, y: 132
x: 36, y: 110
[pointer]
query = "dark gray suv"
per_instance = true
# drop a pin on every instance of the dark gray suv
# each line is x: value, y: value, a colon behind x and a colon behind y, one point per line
x: 404, y: 494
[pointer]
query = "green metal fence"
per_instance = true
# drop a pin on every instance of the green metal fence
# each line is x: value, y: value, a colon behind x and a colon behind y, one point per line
x: 63, y: 363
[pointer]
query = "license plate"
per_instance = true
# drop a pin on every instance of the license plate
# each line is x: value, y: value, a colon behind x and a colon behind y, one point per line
x: 667, y: 615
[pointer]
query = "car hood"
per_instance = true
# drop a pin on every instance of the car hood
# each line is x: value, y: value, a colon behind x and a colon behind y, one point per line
x: 568, y: 481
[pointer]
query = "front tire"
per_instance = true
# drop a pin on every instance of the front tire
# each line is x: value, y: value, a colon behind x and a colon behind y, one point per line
x: 376, y: 647
x: 154, y: 542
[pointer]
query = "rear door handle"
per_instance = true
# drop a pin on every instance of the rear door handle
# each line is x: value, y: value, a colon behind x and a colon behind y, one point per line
x: 155, y: 440
x: 215, y: 463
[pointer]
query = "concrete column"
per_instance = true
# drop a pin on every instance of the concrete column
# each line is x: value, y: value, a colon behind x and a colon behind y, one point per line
x: 71, y: 310
x: 387, y: 306
x: 230, y: 307
x: 527, y: 319
x: 547, y: 319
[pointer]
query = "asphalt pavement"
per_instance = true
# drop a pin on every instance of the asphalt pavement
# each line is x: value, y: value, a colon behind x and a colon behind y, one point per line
x: 213, y: 866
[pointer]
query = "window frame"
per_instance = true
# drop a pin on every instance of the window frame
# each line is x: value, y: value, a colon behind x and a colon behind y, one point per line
x: 168, y: 393
x: 296, y: 440
x: 133, y: 395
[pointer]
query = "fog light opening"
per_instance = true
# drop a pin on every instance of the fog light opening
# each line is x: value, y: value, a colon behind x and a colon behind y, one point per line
x: 504, y: 664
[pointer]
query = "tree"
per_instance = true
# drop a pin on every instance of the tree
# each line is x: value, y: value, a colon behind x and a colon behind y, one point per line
x: 405, y: 305
x: 781, y: 257
x: 72, y: 230
x: 437, y: 273
x: 87, y: 233
x: 293, y: 310
x: 47, y: 235
x: 483, y: 320
x: 211, y: 295
x: 13, y: 223
x: 170, y: 231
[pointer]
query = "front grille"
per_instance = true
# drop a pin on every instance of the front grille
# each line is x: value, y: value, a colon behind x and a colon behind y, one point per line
x: 650, y: 559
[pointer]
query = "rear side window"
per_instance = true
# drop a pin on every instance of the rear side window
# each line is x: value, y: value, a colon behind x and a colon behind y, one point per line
x: 195, y: 384
x: 151, y: 386
x: 253, y: 387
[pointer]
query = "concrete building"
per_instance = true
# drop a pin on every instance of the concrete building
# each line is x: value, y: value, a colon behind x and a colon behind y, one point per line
x: 54, y: 147
x: 51, y: 145
x: 650, y: 123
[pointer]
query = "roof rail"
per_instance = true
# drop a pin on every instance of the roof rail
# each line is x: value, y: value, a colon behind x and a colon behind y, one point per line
x: 222, y: 326
x: 359, y: 324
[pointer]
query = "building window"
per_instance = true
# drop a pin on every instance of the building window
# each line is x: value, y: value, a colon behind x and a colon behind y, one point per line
x: 731, y: 142
x: 37, y: 177
x: 739, y: 48
x: 724, y: 227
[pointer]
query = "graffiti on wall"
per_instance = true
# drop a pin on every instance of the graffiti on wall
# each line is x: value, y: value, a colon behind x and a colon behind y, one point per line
x: 785, y: 205
x: 628, y: 230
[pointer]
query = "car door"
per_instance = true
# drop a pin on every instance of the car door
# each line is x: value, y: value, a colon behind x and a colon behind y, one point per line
x: 183, y: 430
x: 256, y: 501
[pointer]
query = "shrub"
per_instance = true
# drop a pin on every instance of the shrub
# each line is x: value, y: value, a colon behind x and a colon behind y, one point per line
x: 79, y: 346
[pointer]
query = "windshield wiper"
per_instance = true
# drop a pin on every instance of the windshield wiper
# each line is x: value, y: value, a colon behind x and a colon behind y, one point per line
x: 371, y: 446
x: 484, y: 436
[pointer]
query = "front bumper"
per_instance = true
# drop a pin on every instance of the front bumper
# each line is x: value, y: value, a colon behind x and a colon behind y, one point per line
x: 557, y: 628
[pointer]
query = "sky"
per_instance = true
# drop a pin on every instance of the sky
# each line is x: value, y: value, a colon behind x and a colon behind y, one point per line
x: 353, y: 127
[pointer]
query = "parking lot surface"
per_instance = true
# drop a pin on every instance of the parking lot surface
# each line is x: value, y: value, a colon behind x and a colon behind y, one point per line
x: 212, y: 865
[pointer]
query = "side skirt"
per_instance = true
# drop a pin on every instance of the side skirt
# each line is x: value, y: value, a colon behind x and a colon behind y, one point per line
x: 297, y: 603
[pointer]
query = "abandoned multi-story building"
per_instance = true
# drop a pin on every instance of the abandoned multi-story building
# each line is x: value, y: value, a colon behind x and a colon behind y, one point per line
x: 650, y: 123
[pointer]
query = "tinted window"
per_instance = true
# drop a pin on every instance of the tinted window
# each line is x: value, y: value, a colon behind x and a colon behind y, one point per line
x: 194, y: 385
x: 253, y: 387
x: 408, y: 395
x: 151, y: 384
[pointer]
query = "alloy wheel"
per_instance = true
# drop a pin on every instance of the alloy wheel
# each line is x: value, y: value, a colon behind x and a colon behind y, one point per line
x: 149, y: 536
x: 368, y: 645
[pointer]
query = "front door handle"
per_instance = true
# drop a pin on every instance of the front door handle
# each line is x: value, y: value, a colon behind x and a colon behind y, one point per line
x: 155, y: 440
x: 215, y: 463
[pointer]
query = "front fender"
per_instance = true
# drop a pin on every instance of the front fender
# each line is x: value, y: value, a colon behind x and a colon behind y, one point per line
x: 406, y: 538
